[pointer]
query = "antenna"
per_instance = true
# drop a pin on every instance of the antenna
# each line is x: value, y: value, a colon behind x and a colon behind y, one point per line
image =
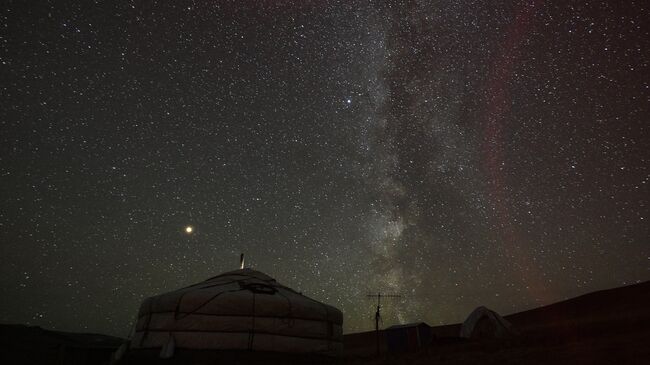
x: 241, y: 261
x: 378, y: 313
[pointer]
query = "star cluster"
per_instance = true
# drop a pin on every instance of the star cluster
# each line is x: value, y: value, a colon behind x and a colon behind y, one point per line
x: 457, y: 153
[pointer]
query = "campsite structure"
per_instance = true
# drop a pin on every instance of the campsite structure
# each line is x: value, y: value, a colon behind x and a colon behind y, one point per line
x: 238, y: 310
x: 408, y: 337
x: 484, y: 323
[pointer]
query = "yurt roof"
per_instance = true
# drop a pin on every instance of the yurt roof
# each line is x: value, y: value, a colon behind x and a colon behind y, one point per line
x: 240, y: 309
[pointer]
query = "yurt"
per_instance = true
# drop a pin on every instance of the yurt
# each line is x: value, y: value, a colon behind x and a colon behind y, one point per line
x: 238, y: 310
x: 484, y: 323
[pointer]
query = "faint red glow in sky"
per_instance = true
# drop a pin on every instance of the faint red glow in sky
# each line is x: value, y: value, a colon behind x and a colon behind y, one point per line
x: 498, y: 105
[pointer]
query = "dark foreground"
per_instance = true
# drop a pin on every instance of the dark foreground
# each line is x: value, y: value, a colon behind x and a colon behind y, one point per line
x: 606, y: 327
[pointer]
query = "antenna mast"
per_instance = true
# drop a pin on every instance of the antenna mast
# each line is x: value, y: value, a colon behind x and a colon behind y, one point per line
x: 378, y: 313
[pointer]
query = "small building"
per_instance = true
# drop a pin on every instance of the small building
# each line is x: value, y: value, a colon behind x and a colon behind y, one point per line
x: 241, y: 310
x: 408, y: 337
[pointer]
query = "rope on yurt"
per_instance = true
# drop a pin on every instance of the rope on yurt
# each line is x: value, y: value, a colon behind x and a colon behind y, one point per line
x: 269, y: 280
x: 185, y: 314
x: 251, y: 334
x: 288, y: 320
x: 210, y: 285
x: 250, y: 288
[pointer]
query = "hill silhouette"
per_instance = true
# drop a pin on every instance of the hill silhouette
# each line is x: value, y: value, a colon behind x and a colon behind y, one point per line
x: 603, y: 327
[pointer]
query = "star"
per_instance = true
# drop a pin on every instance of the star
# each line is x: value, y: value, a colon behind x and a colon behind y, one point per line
x: 474, y: 161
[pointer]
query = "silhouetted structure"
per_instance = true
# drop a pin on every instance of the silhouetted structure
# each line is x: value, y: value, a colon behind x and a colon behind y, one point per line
x: 238, y: 310
x: 408, y: 337
x: 483, y: 323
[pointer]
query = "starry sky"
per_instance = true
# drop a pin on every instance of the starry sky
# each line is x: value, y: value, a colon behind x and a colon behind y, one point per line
x: 458, y: 153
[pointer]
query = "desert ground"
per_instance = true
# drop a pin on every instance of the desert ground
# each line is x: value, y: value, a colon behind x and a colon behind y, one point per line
x: 604, y: 327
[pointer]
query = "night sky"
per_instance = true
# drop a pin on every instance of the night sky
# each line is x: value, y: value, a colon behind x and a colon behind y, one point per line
x: 459, y: 153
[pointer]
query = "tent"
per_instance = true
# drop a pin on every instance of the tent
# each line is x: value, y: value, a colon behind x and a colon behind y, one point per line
x: 238, y: 310
x: 483, y: 323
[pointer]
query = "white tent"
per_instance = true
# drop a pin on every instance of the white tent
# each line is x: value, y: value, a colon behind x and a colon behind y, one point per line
x: 238, y: 310
x: 484, y: 323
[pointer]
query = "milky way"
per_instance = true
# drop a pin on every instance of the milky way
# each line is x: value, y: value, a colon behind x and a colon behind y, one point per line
x: 455, y: 153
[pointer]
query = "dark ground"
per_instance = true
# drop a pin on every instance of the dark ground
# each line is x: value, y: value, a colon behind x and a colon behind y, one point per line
x: 21, y: 344
x: 605, y: 327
